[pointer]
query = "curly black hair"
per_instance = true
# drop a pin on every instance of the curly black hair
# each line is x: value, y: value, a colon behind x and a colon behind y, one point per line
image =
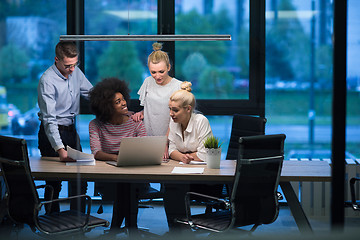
x: 102, y: 97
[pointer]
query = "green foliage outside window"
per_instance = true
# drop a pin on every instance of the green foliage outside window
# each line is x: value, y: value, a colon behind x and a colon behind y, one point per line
x: 120, y: 60
x: 216, y: 82
x: 13, y: 62
x: 193, y: 66
x: 194, y: 23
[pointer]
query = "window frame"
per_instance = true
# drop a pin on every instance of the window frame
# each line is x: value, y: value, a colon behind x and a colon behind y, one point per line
x: 255, y: 105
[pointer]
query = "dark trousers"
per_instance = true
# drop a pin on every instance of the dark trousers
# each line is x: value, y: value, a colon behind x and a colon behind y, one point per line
x: 126, y: 204
x: 69, y: 138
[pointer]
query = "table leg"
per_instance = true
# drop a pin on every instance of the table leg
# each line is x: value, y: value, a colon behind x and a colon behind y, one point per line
x: 295, y: 207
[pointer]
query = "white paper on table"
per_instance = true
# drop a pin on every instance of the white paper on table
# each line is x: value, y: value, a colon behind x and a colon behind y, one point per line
x: 194, y: 163
x: 187, y: 170
x: 81, y: 163
x: 83, y: 159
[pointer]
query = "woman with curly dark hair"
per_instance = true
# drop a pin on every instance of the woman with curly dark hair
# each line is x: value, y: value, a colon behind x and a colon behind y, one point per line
x: 108, y: 101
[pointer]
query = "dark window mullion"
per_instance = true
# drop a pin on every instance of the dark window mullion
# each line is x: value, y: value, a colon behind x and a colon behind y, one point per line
x: 166, y: 25
x: 75, y: 25
x: 257, y: 55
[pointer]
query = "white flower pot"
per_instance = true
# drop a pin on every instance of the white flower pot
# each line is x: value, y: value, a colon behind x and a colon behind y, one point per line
x: 213, y: 156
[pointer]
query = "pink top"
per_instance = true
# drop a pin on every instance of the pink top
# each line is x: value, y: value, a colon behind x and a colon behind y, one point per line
x: 107, y: 137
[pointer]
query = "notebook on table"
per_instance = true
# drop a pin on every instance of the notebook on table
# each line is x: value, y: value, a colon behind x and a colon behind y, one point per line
x: 140, y: 151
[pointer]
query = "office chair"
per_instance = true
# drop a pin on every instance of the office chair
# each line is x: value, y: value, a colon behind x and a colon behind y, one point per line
x: 354, y: 204
x: 23, y: 204
x: 253, y: 199
x: 244, y: 126
x: 149, y: 195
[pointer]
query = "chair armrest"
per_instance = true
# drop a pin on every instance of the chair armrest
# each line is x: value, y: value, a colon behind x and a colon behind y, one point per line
x: 65, y: 199
x: 69, y: 198
x: 355, y: 206
x: 187, y: 203
x: 42, y: 186
x: 51, y: 192
x: 224, y: 201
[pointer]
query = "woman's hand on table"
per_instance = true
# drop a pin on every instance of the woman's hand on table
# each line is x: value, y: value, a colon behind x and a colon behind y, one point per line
x: 186, y: 158
x: 166, y: 153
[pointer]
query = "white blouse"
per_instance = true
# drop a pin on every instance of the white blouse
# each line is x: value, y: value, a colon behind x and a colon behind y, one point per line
x: 155, y: 99
x: 195, y: 134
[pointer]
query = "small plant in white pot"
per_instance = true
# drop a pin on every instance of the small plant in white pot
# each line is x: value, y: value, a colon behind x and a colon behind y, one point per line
x: 213, y: 152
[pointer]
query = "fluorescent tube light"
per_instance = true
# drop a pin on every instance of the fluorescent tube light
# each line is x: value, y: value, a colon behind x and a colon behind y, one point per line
x: 161, y: 38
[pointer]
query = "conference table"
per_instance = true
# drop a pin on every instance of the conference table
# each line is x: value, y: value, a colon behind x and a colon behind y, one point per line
x: 311, y: 171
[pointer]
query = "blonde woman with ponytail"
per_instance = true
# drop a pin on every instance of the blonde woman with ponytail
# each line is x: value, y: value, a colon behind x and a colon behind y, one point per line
x: 155, y: 92
x: 188, y: 130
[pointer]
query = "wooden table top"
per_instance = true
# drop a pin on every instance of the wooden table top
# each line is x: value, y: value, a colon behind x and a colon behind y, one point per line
x: 291, y: 171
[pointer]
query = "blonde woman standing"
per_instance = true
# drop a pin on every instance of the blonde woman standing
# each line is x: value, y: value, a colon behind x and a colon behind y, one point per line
x: 155, y: 92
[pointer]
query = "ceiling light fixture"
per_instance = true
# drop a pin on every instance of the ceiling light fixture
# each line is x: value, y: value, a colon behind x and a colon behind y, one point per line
x: 161, y: 38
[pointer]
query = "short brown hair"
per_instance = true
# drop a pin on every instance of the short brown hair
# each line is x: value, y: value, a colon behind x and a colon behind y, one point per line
x: 66, y: 49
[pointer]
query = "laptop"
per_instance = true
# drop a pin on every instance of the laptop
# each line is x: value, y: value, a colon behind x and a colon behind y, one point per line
x: 140, y: 151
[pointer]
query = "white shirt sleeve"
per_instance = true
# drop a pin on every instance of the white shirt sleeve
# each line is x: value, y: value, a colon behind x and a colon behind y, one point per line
x: 195, y: 134
x: 204, y: 131
x: 142, y: 92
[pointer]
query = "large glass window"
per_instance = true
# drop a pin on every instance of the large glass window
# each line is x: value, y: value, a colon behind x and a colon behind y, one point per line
x: 353, y: 81
x: 299, y: 75
x: 29, y: 31
x: 217, y: 69
x: 126, y: 60
x: 212, y: 67
x: 298, y: 62
x: 123, y: 59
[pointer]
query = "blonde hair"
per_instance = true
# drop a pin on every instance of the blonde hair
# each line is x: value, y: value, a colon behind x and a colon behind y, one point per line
x: 158, y: 55
x: 184, y: 95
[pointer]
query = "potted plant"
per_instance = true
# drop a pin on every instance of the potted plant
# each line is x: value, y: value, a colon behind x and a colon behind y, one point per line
x: 213, y: 151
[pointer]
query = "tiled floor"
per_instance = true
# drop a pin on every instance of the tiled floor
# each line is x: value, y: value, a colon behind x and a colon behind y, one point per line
x: 154, y: 220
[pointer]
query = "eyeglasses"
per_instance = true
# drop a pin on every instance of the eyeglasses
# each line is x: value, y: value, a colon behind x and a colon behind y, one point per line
x: 72, y: 65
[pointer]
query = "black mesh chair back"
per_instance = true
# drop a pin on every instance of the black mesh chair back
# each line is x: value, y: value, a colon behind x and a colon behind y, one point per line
x: 244, y: 126
x: 258, y: 170
x: 23, y: 197
x: 23, y: 200
x: 253, y: 200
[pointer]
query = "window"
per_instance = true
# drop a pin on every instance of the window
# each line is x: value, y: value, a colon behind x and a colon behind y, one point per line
x: 28, y: 33
x: 124, y: 59
x: 299, y: 75
x: 297, y: 60
x: 353, y: 82
x: 217, y: 69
